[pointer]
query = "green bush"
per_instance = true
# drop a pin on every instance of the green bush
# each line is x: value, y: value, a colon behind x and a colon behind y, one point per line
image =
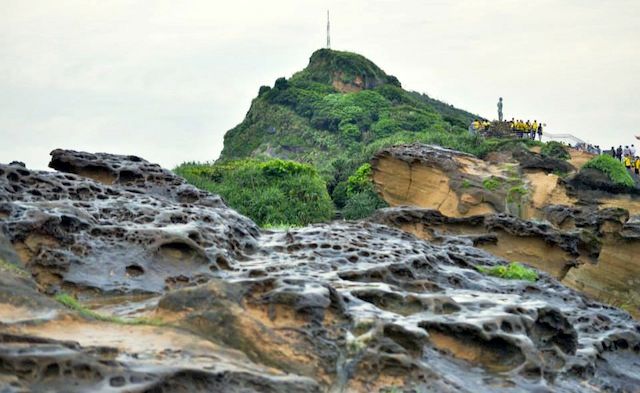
x: 513, y: 271
x: 274, y: 192
x: 361, y: 205
x: 555, y: 150
x: 613, y: 168
x: 360, y: 181
x: 516, y: 193
x: 360, y: 199
x: 491, y: 183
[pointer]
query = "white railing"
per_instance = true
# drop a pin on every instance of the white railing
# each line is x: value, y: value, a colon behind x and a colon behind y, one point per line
x: 565, y: 137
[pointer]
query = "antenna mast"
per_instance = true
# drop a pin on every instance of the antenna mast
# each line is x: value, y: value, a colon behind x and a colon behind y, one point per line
x: 328, y: 32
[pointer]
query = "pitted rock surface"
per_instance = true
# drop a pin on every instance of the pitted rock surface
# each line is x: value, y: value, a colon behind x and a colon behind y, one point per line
x: 411, y: 312
x: 78, y: 234
x: 589, y: 217
x: 32, y: 364
x: 131, y: 173
x: 594, y: 251
x: 573, y: 242
x: 339, y: 307
x: 429, y: 154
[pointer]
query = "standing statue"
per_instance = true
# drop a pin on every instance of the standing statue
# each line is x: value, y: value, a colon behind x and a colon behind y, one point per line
x: 500, y: 109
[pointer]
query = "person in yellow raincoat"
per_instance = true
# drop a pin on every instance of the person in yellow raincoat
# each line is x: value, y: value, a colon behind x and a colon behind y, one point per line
x: 627, y: 162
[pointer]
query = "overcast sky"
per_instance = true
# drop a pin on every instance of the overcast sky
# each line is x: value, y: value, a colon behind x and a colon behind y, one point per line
x: 166, y: 79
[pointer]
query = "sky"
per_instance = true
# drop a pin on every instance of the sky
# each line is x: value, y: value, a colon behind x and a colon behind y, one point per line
x: 165, y: 80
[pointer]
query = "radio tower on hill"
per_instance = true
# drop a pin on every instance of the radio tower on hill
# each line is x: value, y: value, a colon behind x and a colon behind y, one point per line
x: 328, y: 32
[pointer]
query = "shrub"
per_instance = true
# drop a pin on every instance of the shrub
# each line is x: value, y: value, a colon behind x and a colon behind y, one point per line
x: 513, y: 271
x: 491, y: 183
x: 263, y: 90
x: 361, y: 205
x: 555, y: 150
x: 360, y: 181
x: 274, y: 192
x: 361, y: 199
x: 515, y: 193
x: 617, y: 173
x: 339, y: 195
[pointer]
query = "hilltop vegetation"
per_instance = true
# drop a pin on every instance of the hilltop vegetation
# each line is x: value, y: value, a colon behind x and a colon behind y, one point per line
x: 335, y: 114
x: 341, y: 106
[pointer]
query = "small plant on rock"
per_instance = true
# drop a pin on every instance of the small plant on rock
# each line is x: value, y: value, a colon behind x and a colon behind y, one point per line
x: 512, y: 271
x: 73, y: 304
x: 516, y: 193
x: 491, y: 183
x: 11, y: 268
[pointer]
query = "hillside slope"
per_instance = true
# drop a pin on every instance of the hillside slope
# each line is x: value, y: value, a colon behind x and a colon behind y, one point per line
x: 341, y: 106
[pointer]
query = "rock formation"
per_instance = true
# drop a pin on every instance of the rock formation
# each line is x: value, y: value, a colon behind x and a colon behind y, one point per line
x: 459, y: 184
x: 582, y: 235
x: 187, y: 295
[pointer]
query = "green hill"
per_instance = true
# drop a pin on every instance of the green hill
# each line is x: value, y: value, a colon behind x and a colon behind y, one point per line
x: 340, y: 106
x: 335, y: 114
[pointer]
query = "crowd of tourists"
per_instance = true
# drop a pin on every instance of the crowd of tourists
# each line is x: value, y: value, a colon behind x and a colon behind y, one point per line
x: 526, y: 129
x: 529, y: 130
x: 479, y: 126
x: 593, y: 149
x: 628, y: 157
x: 517, y: 128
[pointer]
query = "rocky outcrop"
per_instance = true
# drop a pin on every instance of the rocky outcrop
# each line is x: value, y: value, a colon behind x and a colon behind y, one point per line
x: 400, y: 300
x: 592, y: 179
x: 341, y: 307
x: 519, y: 184
x: 531, y: 160
x: 538, y: 244
x: 76, y: 234
x: 132, y: 174
x: 442, y: 179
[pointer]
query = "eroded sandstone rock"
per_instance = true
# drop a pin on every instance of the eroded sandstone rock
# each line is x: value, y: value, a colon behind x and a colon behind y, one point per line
x: 536, y: 243
x: 592, y: 251
x: 523, y: 184
x: 340, y: 307
x: 143, y: 235
x: 519, y: 182
x: 403, y: 303
x: 442, y: 179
